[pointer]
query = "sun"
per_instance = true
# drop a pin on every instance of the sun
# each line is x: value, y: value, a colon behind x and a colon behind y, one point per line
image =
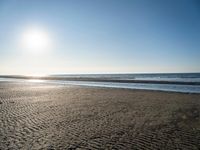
x: 35, y: 40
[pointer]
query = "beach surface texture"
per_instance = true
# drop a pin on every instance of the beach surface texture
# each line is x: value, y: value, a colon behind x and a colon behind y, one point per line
x: 49, y: 116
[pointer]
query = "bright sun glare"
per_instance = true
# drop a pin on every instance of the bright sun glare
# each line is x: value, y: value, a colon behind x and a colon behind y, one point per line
x: 35, y: 40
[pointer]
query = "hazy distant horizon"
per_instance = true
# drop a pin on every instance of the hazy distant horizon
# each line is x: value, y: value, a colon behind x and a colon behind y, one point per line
x: 116, y: 73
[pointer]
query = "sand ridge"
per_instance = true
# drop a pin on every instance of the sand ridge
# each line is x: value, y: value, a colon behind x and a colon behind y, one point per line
x: 41, y: 116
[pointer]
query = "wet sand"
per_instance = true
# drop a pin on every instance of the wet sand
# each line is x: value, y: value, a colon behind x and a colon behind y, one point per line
x: 47, y: 116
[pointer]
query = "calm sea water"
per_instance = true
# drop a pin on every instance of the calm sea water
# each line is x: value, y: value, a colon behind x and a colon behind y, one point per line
x: 183, y: 77
x: 180, y: 77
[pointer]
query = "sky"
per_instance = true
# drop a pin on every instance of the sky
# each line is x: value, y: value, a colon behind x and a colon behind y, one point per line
x: 99, y: 36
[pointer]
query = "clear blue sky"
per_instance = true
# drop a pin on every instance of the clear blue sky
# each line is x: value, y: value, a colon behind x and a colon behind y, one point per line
x: 102, y: 36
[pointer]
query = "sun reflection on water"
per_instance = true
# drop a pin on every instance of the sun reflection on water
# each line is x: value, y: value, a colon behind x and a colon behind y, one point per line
x: 35, y: 80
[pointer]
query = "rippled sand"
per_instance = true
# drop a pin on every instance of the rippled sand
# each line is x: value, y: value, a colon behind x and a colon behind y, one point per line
x: 44, y: 116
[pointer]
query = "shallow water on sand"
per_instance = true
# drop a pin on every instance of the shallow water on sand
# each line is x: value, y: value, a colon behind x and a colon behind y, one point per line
x: 143, y: 86
x: 176, y: 82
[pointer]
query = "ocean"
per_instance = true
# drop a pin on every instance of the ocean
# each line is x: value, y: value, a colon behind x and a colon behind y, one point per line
x: 172, y: 82
x: 182, y: 77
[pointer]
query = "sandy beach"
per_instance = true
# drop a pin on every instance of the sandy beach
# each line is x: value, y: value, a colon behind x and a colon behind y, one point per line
x: 48, y: 116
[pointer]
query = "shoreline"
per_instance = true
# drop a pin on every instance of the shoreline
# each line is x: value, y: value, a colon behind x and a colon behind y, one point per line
x: 101, y: 80
x: 134, y: 86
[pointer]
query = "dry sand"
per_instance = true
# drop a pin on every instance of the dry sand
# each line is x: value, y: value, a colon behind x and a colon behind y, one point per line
x: 44, y: 116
